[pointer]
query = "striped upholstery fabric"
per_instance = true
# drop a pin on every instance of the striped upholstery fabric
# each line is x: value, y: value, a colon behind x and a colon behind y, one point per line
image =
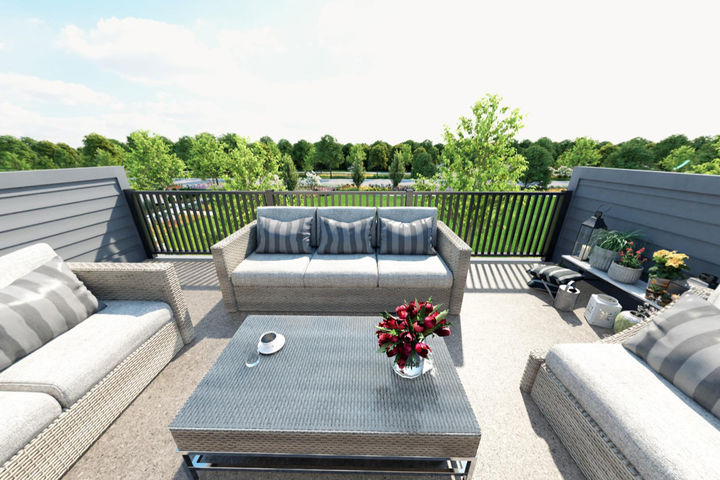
x: 554, y: 274
x: 683, y: 345
x: 277, y: 236
x: 39, y: 306
x: 345, y: 237
x: 406, y: 238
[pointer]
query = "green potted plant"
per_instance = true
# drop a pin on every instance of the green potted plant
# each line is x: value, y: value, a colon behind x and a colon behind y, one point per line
x: 629, y: 267
x: 669, y: 265
x: 607, y: 248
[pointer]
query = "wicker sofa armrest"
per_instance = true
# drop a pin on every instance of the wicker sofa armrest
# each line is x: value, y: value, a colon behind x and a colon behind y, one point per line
x: 456, y: 254
x: 138, y: 281
x: 227, y: 255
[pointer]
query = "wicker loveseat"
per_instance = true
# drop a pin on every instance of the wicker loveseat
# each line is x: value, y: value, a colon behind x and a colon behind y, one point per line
x: 57, y: 400
x: 353, y: 283
x: 617, y: 417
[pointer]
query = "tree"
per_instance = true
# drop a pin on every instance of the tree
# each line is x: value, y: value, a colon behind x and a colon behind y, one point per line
x: 583, y: 153
x: 635, y: 153
x: 99, y: 151
x: 208, y: 158
x: 539, y: 161
x: 680, y: 159
x: 229, y: 141
x: 422, y: 164
x: 252, y: 167
x: 285, y: 146
x: 711, y: 167
x: 378, y: 157
x: 182, y: 148
x: 402, y: 157
x: 328, y: 153
x: 480, y: 156
x: 67, y: 157
x: 302, y: 154
x: 150, y: 162
x: 44, y: 153
x: 288, y: 172
x: 548, y: 145
x: 663, y: 148
x: 15, y: 154
x: 356, y: 158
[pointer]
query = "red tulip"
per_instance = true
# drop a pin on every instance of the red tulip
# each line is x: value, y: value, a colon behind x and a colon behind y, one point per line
x: 400, y: 308
x: 406, y: 348
x: 394, y: 339
x: 401, y: 361
x: 403, y: 314
x: 417, y: 327
x: 429, y: 323
x: 392, y: 352
x: 428, y: 306
x: 407, y: 337
x: 443, y: 332
x: 422, y: 349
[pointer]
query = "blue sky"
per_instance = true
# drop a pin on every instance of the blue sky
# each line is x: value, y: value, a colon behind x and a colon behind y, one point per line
x: 359, y: 70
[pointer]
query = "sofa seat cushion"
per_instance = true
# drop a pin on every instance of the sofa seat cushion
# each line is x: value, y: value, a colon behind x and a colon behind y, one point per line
x: 68, y: 366
x: 413, y: 271
x: 271, y: 270
x: 23, y: 415
x: 342, y: 271
x: 662, y: 431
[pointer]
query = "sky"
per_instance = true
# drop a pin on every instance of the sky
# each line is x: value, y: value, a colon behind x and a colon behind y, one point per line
x: 358, y: 70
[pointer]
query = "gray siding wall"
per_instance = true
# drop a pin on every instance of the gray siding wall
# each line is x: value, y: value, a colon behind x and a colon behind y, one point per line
x: 674, y: 211
x: 80, y: 212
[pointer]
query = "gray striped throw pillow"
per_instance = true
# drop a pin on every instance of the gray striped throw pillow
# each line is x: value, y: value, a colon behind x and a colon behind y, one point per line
x: 278, y: 236
x: 683, y: 345
x: 38, y: 307
x: 406, y: 238
x: 345, y: 237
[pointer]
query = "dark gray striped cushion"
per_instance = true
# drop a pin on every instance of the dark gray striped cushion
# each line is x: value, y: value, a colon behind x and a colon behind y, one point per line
x: 345, y: 237
x: 683, y: 345
x: 406, y: 238
x: 277, y: 236
x: 38, y: 307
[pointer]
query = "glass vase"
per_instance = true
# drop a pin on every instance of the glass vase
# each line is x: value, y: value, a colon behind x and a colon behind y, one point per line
x: 414, y: 371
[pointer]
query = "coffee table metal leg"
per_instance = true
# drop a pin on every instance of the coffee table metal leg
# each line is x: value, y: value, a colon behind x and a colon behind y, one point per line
x: 190, y: 466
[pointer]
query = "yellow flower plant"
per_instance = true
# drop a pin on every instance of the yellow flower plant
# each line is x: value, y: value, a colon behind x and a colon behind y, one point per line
x: 668, y: 264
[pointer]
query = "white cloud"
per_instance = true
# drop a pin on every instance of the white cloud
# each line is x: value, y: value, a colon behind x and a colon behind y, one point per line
x: 402, y: 69
x: 35, y: 21
x: 2, y: 45
x: 28, y: 88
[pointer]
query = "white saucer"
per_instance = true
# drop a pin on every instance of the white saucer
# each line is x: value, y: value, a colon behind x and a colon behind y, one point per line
x: 272, y: 346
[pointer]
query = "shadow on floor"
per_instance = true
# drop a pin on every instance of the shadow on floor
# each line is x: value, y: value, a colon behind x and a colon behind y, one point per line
x: 498, y: 276
x: 565, y: 465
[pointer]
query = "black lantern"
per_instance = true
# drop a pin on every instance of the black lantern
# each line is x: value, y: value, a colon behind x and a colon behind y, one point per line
x: 586, y: 235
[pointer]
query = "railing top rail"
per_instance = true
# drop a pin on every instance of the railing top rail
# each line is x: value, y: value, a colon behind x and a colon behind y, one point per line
x: 351, y: 192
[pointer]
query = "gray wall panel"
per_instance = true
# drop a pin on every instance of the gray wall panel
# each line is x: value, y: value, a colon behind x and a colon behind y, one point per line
x: 81, y: 212
x: 674, y: 211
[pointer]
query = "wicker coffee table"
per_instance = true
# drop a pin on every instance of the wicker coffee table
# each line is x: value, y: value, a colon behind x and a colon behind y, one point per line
x: 326, y: 402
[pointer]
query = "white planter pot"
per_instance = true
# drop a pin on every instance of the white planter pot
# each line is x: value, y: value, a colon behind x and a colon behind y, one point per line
x: 624, y: 274
x: 602, y: 258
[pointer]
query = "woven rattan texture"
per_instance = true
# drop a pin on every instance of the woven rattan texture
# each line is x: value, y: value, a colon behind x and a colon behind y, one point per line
x: 333, y: 300
x: 229, y: 252
x: 138, y: 281
x: 594, y: 453
x: 326, y: 392
x: 49, y: 455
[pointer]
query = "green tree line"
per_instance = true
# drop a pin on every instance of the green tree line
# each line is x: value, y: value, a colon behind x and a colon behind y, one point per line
x: 481, y: 153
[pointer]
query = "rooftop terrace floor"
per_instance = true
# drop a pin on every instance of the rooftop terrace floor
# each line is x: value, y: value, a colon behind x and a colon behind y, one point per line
x: 501, y: 321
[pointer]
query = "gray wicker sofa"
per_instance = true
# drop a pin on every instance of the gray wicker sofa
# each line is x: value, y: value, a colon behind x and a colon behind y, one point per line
x: 617, y: 417
x: 352, y: 283
x: 56, y: 401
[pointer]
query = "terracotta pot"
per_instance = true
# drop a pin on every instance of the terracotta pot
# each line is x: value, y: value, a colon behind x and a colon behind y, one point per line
x: 602, y: 258
x: 624, y: 274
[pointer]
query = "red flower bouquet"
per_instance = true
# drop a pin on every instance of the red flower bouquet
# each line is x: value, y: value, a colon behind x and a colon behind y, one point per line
x: 402, y: 335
